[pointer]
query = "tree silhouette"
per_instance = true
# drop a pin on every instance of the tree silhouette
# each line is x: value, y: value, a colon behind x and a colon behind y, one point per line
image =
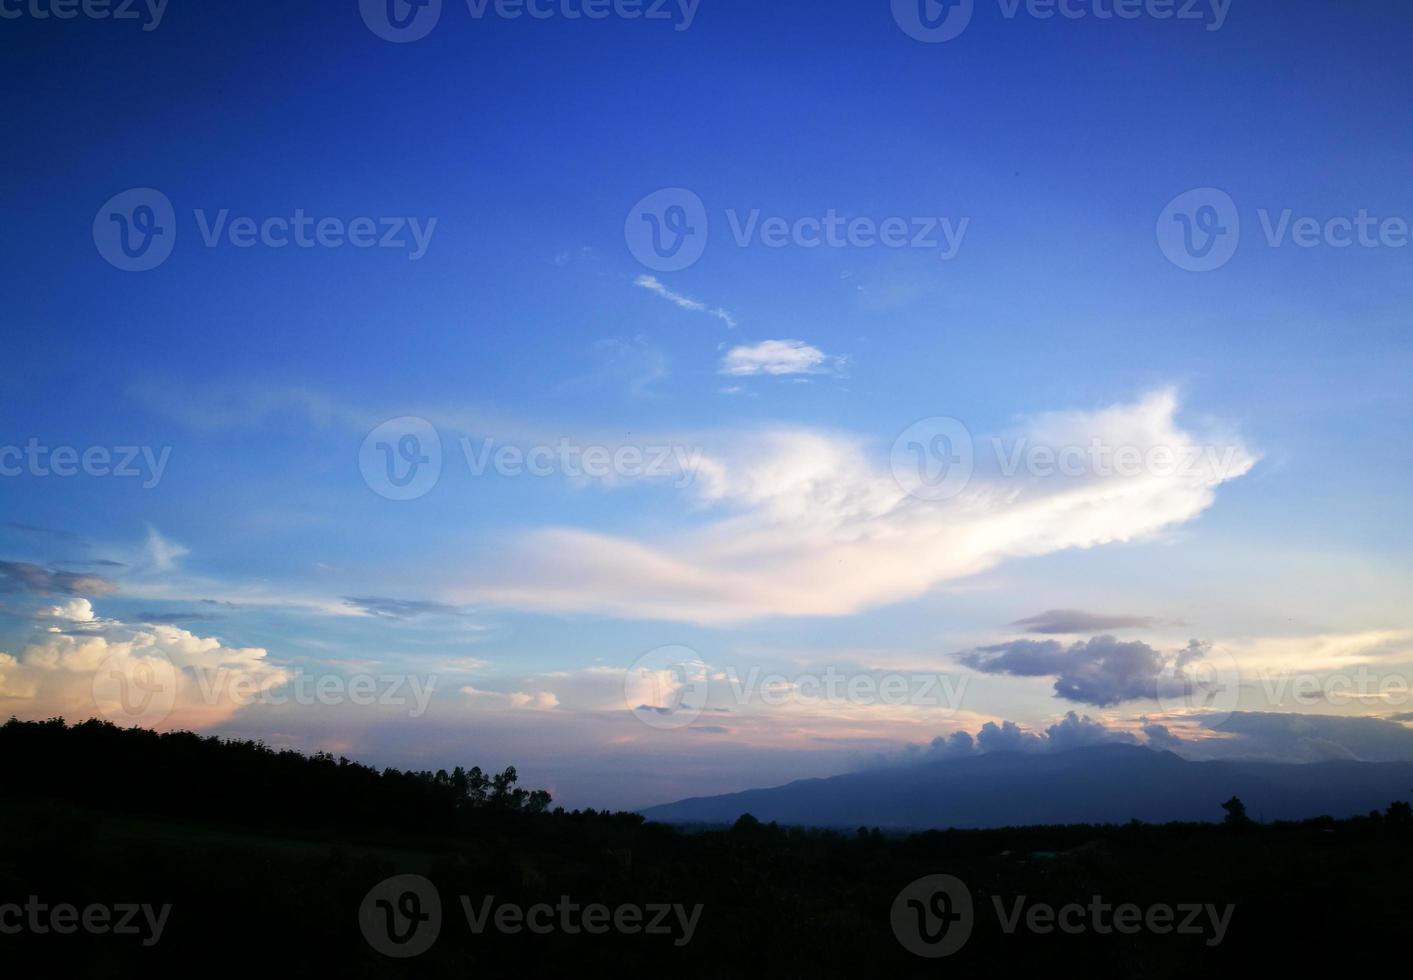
x: 1236, y: 813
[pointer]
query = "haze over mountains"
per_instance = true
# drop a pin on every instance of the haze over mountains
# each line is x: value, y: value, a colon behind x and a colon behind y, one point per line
x: 1111, y: 783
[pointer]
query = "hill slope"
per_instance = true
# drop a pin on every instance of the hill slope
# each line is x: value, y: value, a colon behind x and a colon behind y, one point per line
x: 1098, y: 784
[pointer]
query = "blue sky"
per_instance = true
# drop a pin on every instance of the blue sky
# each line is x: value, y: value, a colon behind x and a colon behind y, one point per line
x: 1057, y: 142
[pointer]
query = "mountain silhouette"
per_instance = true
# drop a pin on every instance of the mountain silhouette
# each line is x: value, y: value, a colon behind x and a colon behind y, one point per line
x: 1094, y: 784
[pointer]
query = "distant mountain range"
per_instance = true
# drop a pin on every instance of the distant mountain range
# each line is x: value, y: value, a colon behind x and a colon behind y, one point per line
x: 1095, y: 784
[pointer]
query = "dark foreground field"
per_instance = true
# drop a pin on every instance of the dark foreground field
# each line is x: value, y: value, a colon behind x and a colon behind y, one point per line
x: 221, y: 858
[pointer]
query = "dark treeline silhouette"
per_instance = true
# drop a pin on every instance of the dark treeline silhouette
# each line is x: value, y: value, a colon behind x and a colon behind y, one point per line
x: 249, y: 784
x: 266, y: 855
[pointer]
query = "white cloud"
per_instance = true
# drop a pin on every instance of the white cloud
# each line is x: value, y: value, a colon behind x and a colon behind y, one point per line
x: 196, y: 681
x: 537, y: 700
x: 163, y: 553
x: 652, y: 284
x: 75, y: 611
x: 778, y: 357
x: 812, y: 525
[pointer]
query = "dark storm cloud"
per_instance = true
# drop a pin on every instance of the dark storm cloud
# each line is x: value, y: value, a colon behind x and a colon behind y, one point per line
x: 1101, y: 671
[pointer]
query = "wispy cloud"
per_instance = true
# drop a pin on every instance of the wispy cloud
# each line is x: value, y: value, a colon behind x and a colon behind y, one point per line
x: 637, y: 365
x: 400, y: 608
x: 779, y: 357
x: 162, y: 552
x: 1078, y: 621
x: 652, y: 284
x: 816, y: 527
